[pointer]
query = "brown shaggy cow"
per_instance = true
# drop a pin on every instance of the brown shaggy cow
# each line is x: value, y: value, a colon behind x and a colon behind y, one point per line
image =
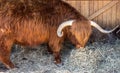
x: 33, y: 22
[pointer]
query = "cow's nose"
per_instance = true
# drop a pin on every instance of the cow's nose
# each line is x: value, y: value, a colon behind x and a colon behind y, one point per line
x: 78, y: 46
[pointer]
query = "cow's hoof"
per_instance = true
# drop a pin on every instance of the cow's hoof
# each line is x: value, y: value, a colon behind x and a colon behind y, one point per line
x: 17, y: 67
x: 59, y: 65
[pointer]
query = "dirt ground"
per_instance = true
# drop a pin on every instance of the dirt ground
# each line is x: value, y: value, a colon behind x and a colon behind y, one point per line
x: 98, y: 57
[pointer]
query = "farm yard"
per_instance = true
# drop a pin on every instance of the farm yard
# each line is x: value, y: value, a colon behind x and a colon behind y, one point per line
x: 100, y: 55
x: 97, y: 57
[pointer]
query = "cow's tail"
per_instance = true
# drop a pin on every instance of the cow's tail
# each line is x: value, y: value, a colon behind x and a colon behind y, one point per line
x: 101, y: 29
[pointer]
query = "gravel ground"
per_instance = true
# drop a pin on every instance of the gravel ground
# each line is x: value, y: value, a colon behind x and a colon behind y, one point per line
x: 98, y: 57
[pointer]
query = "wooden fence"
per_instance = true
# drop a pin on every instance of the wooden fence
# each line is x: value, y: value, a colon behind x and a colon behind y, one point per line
x: 105, y: 12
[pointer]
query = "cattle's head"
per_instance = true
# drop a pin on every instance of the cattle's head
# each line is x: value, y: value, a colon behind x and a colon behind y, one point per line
x: 79, y: 31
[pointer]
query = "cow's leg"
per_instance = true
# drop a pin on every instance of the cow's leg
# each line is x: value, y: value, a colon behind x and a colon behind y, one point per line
x: 6, y: 61
x: 49, y: 49
x: 56, y: 53
x: 5, y: 50
x: 57, y: 58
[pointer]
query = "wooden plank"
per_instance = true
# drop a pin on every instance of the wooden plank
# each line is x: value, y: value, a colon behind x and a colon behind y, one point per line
x: 100, y: 17
x: 118, y: 14
x: 108, y: 18
x: 86, y: 8
x: 103, y: 9
x: 95, y: 10
x: 82, y: 7
x: 105, y: 14
x: 78, y: 5
x: 113, y: 15
x: 91, y: 9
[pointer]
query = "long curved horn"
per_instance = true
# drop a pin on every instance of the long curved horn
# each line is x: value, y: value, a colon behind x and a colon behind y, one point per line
x: 63, y: 25
x: 101, y: 29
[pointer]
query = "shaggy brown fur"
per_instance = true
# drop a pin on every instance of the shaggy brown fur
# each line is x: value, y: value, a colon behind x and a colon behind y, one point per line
x: 33, y: 22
